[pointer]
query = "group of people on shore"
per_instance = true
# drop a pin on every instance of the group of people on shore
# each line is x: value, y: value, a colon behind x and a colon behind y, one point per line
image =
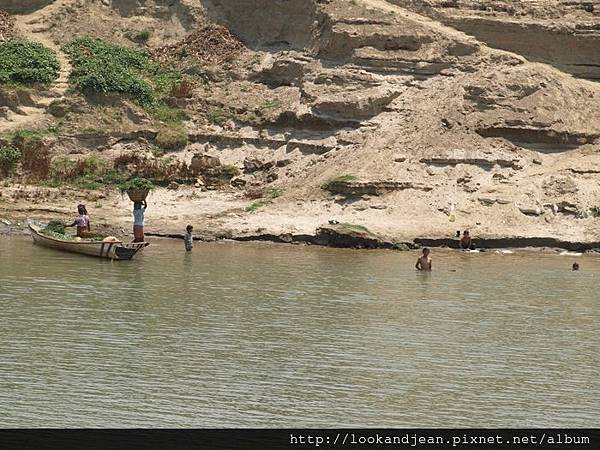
x: 83, y: 224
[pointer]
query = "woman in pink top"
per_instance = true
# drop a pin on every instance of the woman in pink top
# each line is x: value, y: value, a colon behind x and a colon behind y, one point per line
x: 82, y: 221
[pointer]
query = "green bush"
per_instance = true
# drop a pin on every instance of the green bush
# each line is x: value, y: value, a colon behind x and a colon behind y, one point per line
x: 172, y: 137
x: 27, y: 138
x: 101, y: 67
x: 9, y: 157
x: 27, y: 62
x: 230, y: 171
x: 62, y: 168
x: 167, y: 114
x: 93, y: 165
x: 142, y: 36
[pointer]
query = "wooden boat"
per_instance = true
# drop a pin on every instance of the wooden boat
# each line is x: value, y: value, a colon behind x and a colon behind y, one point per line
x: 110, y: 250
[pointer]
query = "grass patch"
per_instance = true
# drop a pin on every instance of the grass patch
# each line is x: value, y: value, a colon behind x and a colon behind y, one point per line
x: 273, y: 193
x: 218, y: 116
x: 256, y: 205
x: 88, y: 173
x: 167, y: 114
x: 341, y: 179
x: 25, y: 138
x: 143, y: 36
x: 27, y: 62
x: 267, y: 197
x: 100, y: 67
x: 230, y: 171
x: 171, y: 137
x: 156, y: 151
x: 269, y: 104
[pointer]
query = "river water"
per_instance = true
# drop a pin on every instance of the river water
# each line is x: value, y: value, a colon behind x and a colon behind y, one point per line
x: 258, y: 335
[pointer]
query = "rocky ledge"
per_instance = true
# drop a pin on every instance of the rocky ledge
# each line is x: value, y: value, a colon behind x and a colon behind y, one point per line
x: 337, y: 235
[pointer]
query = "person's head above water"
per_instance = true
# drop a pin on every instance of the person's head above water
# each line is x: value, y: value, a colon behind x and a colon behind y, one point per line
x: 189, y: 228
x: 575, y: 266
x: 426, y: 251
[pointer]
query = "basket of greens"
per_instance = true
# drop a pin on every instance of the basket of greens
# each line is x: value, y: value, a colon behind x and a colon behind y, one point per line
x: 137, y: 188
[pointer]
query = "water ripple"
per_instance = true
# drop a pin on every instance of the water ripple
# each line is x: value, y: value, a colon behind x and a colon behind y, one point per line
x: 257, y: 335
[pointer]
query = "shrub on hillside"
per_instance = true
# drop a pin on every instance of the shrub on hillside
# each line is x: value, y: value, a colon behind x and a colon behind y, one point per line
x: 172, y: 137
x: 27, y: 62
x: 90, y: 172
x: 27, y: 138
x: 9, y: 157
x: 158, y: 170
x: 35, y: 153
x: 102, y: 67
x: 64, y: 168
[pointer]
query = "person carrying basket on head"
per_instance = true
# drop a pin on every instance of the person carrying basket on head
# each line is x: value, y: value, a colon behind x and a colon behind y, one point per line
x: 139, y: 209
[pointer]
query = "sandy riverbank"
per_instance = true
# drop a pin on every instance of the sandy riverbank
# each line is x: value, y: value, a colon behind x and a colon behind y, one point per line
x: 229, y: 215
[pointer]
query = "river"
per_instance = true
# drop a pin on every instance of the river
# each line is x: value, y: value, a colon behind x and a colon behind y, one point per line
x: 253, y: 335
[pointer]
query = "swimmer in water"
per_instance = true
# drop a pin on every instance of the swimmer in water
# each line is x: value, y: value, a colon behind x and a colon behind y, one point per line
x: 575, y: 266
x: 424, y: 261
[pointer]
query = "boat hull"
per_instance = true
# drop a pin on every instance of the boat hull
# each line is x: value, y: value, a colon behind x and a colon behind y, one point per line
x: 108, y: 250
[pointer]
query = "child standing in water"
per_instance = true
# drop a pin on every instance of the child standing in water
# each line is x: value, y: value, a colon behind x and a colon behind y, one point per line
x: 188, y: 238
x: 139, y: 209
x: 424, y: 262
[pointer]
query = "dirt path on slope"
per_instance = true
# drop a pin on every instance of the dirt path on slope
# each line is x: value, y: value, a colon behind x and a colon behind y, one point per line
x: 34, y: 27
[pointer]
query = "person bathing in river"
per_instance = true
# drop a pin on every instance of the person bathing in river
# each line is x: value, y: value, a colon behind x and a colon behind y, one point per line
x: 82, y: 222
x: 188, y: 238
x: 466, y: 242
x: 139, y: 209
x: 424, y: 261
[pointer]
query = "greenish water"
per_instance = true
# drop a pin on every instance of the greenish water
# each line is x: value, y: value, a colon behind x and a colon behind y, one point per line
x: 256, y: 335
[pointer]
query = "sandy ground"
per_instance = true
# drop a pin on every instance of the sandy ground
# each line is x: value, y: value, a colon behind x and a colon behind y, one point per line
x: 216, y: 215
x: 480, y: 138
